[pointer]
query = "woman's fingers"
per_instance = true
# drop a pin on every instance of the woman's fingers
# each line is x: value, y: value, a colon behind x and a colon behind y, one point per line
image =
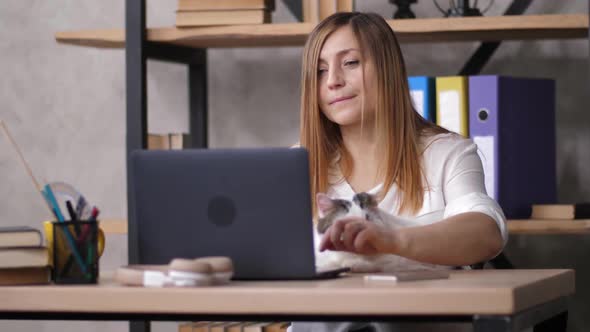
x: 326, y: 241
x: 350, y: 234
x: 336, y: 237
x: 351, y: 230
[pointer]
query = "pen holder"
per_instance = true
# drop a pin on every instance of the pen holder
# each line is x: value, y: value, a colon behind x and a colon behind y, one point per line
x: 75, y: 252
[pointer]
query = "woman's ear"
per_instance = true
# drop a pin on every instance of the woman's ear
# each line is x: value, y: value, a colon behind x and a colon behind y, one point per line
x: 324, y: 203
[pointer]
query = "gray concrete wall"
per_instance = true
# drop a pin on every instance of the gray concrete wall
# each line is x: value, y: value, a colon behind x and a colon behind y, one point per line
x: 65, y: 105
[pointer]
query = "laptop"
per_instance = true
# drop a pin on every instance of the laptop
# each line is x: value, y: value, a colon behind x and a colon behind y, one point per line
x: 252, y: 205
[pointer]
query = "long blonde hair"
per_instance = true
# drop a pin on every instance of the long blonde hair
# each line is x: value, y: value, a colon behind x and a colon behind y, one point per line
x: 396, y: 121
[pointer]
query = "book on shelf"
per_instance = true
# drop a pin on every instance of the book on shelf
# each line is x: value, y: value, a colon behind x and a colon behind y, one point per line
x: 561, y: 211
x: 24, y: 257
x: 25, y: 276
x: 188, y: 5
x: 20, y: 236
x: 171, y: 141
x: 185, y: 19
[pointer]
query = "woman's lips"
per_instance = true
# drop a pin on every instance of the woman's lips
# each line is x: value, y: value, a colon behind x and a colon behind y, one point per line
x: 337, y: 100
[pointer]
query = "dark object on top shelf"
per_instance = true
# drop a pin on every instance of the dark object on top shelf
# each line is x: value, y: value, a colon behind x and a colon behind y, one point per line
x: 403, y: 8
x: 461, y: 8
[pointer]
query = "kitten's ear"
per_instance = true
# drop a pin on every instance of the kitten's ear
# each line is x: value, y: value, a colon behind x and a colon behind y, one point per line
x: 324, y: 203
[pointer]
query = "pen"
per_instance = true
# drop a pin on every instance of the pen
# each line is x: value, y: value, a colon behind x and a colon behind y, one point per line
x: 71, y: 211
x: 86, y: 230
x: 73, y: 217
x: 94, y: 214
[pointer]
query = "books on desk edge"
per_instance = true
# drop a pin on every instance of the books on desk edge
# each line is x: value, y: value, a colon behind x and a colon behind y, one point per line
x: 25, y: 276
x: 24, y: 257
x: 20, y: 236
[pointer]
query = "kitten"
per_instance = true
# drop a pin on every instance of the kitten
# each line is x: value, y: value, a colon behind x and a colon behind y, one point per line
x: 365, y: 206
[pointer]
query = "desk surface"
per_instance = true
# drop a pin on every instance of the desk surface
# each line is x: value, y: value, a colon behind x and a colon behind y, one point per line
x: 494, y: 292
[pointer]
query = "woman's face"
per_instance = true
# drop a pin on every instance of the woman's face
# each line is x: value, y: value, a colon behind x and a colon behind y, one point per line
x: 340, y: 79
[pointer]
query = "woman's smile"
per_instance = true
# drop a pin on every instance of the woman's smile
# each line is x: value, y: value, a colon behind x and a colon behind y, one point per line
x: 341, y: 99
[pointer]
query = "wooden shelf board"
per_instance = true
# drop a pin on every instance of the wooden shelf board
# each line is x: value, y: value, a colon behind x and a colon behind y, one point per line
x: 530, y: 226
x: 294, y: 34
x: 524, y: 226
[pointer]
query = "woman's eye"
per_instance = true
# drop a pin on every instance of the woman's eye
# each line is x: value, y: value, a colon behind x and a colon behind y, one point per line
x: 351, y: 63
x: 321, y: 71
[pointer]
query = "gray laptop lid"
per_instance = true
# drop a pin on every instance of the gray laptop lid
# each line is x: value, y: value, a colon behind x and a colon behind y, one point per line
x: 252, y: 205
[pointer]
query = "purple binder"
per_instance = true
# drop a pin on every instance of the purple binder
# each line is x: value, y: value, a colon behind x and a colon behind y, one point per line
x: 512, y: 120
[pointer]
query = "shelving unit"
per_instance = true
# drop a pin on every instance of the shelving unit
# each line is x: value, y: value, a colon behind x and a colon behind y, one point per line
x: 188, y: 46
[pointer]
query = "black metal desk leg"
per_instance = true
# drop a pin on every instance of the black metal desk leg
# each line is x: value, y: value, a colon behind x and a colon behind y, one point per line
x: 554, y: 324
x: 493, y: 324
x: 501, y: 262
x: 546, y: 317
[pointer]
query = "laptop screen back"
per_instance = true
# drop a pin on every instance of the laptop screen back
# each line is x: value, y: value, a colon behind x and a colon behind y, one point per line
x: 252, y: 205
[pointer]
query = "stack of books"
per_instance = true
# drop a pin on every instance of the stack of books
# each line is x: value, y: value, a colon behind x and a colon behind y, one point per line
x: 23, y: 258
x: 194, y: 13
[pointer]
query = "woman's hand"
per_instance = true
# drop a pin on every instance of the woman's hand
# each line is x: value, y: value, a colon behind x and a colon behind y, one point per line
x: 359, y: 236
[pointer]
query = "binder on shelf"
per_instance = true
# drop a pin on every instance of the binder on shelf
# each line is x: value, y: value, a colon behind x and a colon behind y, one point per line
x: 452, y: 105
x: 423, y: 92
x: 512, y: 121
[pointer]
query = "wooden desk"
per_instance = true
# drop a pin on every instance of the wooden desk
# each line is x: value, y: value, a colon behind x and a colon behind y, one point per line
x: 504, y: 300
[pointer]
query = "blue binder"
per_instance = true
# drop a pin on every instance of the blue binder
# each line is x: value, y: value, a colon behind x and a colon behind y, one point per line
x: 423, y: 91
x: 512, y: 121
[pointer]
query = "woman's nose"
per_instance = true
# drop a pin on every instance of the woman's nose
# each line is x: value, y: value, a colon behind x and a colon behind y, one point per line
x: 335, y: 79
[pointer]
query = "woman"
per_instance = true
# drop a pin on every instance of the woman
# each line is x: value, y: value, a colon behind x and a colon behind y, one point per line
x: 363, y: 135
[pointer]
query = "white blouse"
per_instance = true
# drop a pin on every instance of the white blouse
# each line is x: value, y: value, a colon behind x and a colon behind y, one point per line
x: 454, y: 180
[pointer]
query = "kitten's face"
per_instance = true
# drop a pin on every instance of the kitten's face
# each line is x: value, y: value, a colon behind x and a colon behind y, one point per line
x: 331, y: 210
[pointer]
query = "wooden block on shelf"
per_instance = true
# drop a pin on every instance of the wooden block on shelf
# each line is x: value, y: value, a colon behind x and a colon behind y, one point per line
x: 179, y: 141
x: 158, y: 142
x: 317, y: 10
x: 561, y: 211
x: 172, y: 141
x: 113, y: 226
x: 345, y: 5
x: 185, y: 327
